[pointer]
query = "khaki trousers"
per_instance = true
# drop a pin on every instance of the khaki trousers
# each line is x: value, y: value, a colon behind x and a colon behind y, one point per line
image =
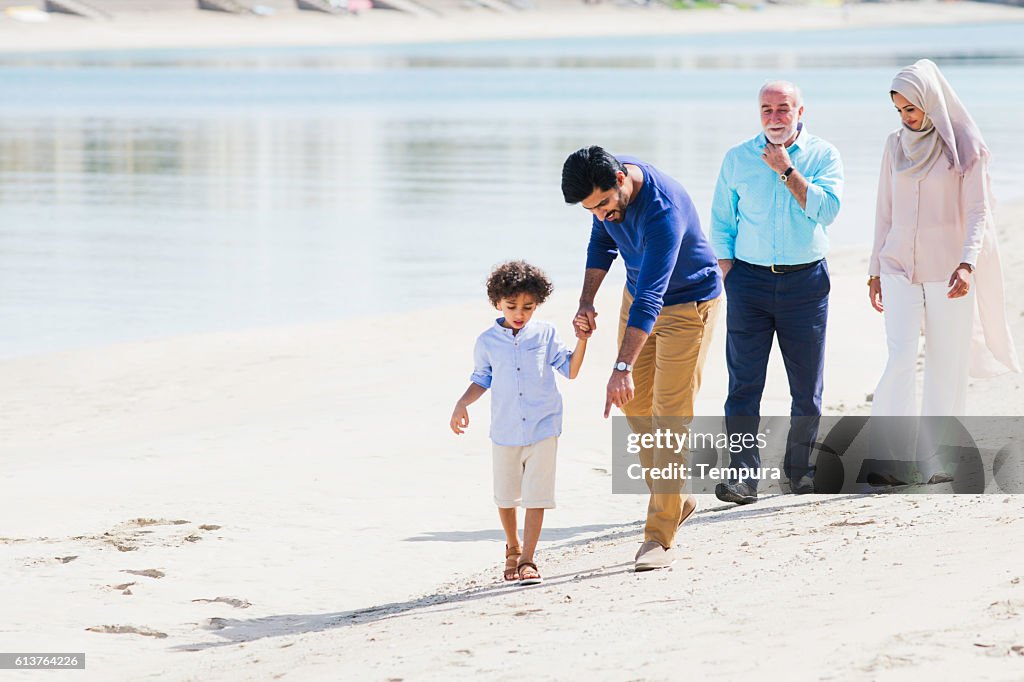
x: 666, y: 379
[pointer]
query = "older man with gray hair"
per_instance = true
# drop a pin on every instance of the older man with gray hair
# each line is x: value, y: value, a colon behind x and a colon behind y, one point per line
x: 776, y: 195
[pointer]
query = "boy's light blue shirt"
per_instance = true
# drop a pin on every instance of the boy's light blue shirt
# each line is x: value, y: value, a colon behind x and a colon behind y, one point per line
x: 526, y: 406
x: 756, y: 219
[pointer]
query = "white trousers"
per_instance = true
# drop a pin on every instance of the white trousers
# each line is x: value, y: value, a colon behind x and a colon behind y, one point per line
x: 947, y: 334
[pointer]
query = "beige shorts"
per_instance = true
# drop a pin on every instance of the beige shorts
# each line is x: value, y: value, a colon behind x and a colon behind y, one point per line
x: 524, y: 476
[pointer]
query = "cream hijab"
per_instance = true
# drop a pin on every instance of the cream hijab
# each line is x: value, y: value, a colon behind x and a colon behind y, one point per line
x: 949, y: 130
x: 948, y: 127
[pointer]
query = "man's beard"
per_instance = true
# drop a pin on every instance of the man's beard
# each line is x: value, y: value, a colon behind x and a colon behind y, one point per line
x: 782, y: 137
x: 620, y: 210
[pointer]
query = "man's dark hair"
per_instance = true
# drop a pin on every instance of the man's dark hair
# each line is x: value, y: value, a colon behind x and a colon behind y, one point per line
x: 588, y: 169
x: 515, y: 277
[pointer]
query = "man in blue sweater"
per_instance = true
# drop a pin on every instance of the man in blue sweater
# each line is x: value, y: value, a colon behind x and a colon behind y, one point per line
x: 668, y: 312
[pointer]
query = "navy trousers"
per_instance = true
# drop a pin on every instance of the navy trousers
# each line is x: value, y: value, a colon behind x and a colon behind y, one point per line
x: 794, y: 307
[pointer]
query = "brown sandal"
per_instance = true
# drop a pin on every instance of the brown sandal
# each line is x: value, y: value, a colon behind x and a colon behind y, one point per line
x: 512, y: 555
x: 528, y: 579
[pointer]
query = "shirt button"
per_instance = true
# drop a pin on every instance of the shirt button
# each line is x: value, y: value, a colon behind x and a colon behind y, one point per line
x: 524, y: 418
x: 517, y: 369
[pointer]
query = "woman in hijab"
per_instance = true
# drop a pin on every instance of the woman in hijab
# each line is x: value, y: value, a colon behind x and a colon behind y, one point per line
x: 935, y: 256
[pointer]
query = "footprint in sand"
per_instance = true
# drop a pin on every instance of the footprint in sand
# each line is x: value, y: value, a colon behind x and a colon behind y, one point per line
x: 130, y: 535
x: 127, y: 630
x: 213, y: 624
x: 147, y: 573
x: 157, y: 522
x: 230, y: 601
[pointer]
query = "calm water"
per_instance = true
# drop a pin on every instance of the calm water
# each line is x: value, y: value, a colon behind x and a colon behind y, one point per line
x: 149, y: 194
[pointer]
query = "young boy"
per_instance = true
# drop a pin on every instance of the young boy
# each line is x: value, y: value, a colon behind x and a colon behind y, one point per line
x: 517, y: 358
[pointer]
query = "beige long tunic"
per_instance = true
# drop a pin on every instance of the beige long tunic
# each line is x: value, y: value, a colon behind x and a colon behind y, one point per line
x: 924, y: 229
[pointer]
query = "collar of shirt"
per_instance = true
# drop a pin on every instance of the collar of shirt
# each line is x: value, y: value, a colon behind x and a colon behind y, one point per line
x: 506, y: 331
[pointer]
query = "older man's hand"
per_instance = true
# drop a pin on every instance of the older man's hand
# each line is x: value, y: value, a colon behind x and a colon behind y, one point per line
x: 776, y: 156
x: 620, y: 391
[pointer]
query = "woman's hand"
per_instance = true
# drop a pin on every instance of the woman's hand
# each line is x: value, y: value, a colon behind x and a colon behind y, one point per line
x: 960, y: 281
x: 875, y: 294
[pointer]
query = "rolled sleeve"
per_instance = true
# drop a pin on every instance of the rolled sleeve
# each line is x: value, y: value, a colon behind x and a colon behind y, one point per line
x: 559, y: 355
x: 825, y: 191
x: 481, y: 375
x: 724, y: 224
x: 602, y: 249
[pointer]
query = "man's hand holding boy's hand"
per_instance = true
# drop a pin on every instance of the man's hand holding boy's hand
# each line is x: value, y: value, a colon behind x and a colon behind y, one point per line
x: 586, y: 318
x: 581, y: 325
x: 460, y: 419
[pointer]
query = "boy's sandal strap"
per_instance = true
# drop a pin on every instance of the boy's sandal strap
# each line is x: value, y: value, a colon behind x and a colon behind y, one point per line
x: 510, y: 551
x: 530, y: 564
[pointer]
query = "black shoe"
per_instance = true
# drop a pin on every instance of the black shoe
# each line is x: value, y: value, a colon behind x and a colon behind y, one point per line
x: 740, y: 493
x: 803, y: 486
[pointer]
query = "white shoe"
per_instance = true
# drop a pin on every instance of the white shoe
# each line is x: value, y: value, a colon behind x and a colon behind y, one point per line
x: 652, y: 555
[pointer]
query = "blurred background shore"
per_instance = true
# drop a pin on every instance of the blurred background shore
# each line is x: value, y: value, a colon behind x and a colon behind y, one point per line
x: 61, y: 25
x: 152, y: 193
x: 241, y: 266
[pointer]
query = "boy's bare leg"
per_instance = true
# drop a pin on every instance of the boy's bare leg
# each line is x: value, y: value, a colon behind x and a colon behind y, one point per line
x: 511, y: 525
x: 531, y: 533
x: 512, y: 552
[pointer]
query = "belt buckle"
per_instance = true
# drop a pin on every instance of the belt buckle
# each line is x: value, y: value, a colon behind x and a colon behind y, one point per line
x: 777, y: 272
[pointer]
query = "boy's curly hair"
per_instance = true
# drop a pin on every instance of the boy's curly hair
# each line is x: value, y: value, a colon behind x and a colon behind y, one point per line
x: 515, y: 277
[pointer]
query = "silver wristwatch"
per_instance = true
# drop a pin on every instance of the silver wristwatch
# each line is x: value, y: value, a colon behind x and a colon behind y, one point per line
x: 623, y: 366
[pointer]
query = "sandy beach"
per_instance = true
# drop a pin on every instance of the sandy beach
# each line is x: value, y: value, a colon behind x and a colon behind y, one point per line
x: 289, y: 503
x: 193, y: 29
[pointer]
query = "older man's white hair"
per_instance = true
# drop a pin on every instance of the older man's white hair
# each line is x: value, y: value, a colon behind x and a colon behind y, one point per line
x: 782, y: 86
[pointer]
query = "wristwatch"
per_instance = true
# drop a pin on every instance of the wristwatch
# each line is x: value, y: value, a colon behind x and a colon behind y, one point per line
x: 623, y: 366
x: 784, y: 176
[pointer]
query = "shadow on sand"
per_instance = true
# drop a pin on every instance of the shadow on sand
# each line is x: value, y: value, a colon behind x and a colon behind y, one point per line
x: 236, y: 631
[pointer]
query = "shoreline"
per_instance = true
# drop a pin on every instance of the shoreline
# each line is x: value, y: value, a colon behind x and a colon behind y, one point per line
x: 181, y: 30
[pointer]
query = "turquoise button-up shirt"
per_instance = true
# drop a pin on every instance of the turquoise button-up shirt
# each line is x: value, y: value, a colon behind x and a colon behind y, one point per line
x: 755, y: 218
